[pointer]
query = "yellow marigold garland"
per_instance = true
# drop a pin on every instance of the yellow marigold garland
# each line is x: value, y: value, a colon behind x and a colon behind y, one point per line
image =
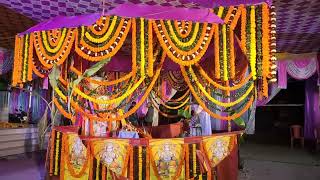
x: 58, y: 57
x: 178, y: 55
x: 205, y: 76
x: 203, y: 105
x: 25, y: 57
x: 155, y: 105
x: 216, y: 52
x: 225, y: 60
x: 177, y: 40
x: 129, y: 91
x: 102, y: 52
x: 220, y: 12
x: 59, y: 43
x: 131, y: 111
x: 253, y: 52
x: 175, y: 107
x: 105, y: 36
x: 223, y: 104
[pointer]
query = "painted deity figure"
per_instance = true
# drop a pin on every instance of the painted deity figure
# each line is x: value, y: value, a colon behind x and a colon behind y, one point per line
x: 110, y: 157
x: 78, y: 153
x: 168, y: 162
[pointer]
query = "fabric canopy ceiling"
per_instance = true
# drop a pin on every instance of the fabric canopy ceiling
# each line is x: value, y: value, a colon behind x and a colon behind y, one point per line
x: 298, y: 22
x: 42, y: 10
x: 298, y: 25
x: 131, y: 10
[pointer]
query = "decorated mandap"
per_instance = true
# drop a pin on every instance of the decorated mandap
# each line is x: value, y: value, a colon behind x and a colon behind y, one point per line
x: 219, y: 60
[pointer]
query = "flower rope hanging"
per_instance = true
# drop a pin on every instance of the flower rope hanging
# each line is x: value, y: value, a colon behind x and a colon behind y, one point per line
x: 49, y: 55
x: 95, y: 46
x: 184, y: 51
x: 203, y: 105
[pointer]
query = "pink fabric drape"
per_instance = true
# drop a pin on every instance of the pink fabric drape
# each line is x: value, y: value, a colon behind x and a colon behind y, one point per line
x: 297, y: 69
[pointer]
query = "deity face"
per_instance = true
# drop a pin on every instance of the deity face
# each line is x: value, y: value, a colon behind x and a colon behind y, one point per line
x: 109, y: 148
x: 78, y: 147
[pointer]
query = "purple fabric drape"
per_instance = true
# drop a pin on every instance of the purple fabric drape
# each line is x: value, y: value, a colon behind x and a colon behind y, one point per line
x: 297, y: 69
x: 130, y: 10
x: 312, y: 109
x: 282, y: 74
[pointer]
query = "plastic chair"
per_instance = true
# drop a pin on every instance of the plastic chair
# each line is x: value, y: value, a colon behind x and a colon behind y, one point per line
x: 296, y: 132
x: 317, y: 137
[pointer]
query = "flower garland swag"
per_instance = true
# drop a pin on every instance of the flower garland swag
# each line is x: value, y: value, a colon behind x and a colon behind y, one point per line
x: 206, y: 77
x: 105, y: 43
x: 78, y: 108
x: 156, y: 105
x: 109, y: 110
x: 203, y: 105
x: 182, y: 104
x: 184, y: 51
x: 203, y: 90
x: 175, y: 80
x: 141, y: 57
x: 49, y: 55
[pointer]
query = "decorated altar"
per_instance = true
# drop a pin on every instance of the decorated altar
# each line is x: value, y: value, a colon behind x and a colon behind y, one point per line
x: 103, y: 70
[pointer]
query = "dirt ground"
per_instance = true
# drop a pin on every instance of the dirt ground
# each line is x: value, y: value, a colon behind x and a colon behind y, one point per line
x: 270, y: 162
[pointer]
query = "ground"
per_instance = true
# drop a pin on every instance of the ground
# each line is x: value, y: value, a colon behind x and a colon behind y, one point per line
x: 275, y: 162
x: 260, y: 162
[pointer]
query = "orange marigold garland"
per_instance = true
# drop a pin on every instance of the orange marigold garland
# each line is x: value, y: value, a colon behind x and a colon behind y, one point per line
x: 53, y: 55
x: 205, y: 76
x: 243, y: 29
x: 30, y: 59
x: 16, y: 76
x: 196, y: 48
x: 131, y: 111
x: 203, y: 105
x: 265, y: 48
x: 95, y: 47
x: 150, y: 50
x: 232, y: 55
